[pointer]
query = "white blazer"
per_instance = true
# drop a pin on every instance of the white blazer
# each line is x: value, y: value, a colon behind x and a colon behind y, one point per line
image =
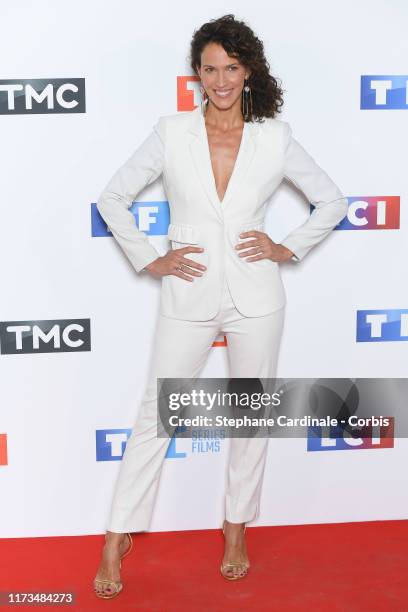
x: 178, y: 149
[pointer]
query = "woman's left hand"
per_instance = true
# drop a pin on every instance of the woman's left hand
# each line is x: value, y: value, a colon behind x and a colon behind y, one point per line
x: 262, y: 247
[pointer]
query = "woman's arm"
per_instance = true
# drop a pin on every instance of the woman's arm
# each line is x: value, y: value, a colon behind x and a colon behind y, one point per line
x: 141, y: 169
x: 330, y: 204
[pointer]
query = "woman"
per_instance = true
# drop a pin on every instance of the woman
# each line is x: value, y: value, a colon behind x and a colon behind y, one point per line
x: 220, y: 164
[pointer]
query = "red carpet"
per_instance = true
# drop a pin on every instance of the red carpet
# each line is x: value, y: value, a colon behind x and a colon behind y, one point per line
x: 346, y: 567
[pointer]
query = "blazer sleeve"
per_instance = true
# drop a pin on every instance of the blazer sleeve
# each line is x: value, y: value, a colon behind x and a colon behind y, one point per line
x: 142, y: 168
x: 330, y: 204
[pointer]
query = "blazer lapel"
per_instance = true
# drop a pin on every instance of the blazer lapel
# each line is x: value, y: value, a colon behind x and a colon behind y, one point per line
x: 200, y: 152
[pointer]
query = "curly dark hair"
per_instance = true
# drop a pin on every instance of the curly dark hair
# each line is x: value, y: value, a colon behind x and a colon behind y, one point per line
x: 240, y: 42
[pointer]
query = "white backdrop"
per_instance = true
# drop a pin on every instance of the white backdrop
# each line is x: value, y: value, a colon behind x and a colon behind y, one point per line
x: 53, y: 168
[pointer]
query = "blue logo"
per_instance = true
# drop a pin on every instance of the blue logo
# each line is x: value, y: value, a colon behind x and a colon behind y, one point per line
x: 382, y: 92
x: 153, y: 218
x: 172, y: 452
x: 111, y: 443
x: 382, y: 325
x: 202, y: 441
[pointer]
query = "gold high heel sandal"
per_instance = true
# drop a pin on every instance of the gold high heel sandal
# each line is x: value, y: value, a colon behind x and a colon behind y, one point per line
x: 117, y: 583
x: 244, y: 565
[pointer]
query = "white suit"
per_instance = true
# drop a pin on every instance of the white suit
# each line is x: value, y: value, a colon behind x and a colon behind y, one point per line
x: 245, y: 300
x: 178, y: 148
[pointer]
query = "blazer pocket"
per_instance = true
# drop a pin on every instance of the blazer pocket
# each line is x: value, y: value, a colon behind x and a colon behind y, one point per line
x: 183, y: 234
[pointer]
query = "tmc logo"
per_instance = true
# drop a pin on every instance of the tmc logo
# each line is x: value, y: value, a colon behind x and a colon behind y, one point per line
x: 382, y: 325
x: 370, y: 213
x: 381, y: 92
x: 336, y: 438
x: 46, y: 336
x: 40, y: 96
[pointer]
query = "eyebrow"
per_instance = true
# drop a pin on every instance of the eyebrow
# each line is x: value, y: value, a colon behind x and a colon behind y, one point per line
x: 210, y: 65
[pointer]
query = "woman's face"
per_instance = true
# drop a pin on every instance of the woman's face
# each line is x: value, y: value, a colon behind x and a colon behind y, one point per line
x: 222, y: 76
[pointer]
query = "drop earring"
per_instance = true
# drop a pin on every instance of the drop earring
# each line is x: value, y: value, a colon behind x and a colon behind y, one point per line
x: 247, y: 101
x: 204, y: 101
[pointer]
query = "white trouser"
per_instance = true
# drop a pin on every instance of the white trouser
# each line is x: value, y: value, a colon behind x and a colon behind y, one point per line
x: 180, y: 350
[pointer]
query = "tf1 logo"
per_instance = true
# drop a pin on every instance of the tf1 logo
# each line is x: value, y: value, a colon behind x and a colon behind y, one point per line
x: 3, y: 449
x: 336, y: 438
x: 382, y: 325
x: 384, y: 91
x: 188, y: 93
x: 111, y: 444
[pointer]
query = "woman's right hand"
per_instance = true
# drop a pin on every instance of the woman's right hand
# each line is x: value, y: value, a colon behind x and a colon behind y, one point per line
x: 174, y: 260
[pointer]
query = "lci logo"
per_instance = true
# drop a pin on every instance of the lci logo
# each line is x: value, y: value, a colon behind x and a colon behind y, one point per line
x: 382, y: 325
x: 371, y: 213
x: 3, y: 449
x: 337, y: 439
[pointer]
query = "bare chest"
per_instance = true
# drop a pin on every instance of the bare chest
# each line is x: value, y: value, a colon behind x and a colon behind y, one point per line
x: 224, y: 148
